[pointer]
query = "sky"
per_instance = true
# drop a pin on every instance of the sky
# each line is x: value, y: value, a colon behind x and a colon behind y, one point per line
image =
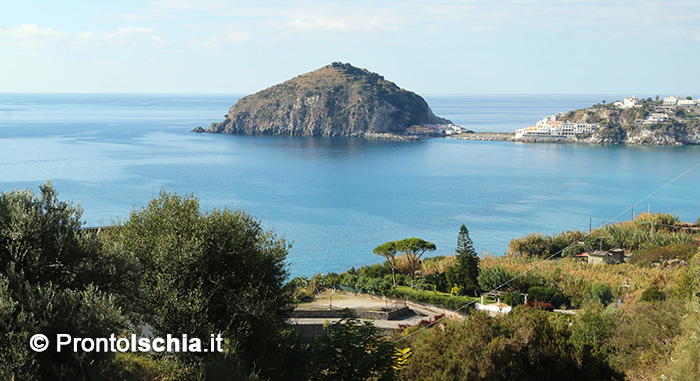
x: 430, y: 47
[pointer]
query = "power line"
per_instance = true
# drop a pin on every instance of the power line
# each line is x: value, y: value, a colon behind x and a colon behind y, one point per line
x: 560, y: 251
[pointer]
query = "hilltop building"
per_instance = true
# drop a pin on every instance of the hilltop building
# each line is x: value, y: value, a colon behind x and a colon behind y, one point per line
x: 671, y: 101
x: 628, y: 102
x: 677, y: 101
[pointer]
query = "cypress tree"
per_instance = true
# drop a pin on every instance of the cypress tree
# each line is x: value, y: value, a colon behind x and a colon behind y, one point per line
x: 464, y: 274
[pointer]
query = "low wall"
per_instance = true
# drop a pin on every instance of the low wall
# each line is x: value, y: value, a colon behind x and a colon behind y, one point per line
x: 362, y: 314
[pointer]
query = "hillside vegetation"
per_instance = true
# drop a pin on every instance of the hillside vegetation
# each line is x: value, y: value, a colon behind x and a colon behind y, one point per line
x: 183, y: 270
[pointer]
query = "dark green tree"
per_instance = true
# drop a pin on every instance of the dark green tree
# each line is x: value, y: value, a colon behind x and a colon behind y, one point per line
x: 466, y: 271
x: 414, y: 248
x: 353, y: 350
x: 388, y: 251
x: 44, y: 288
x: 208, y: 273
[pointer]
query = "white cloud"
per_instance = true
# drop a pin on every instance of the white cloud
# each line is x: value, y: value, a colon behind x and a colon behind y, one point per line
x: 581, y: 18
x: 217, y: 41
x: 35, y: 37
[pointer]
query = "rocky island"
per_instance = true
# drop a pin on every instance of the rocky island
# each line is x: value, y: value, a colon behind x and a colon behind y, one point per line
x: 335, y: 100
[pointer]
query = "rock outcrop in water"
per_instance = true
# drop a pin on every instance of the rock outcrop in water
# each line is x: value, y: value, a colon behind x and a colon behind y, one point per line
x: 335, y: 100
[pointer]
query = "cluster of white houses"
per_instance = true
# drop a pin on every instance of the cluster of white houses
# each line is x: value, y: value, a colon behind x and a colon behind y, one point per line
x: 551, y: 127
x: 676, y: 101
x: 668, y: 101
x: 435, y: 129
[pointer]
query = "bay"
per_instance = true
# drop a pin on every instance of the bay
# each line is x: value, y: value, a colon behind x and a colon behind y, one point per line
x: 338, y: 198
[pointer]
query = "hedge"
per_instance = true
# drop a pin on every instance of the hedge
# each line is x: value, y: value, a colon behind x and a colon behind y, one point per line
x: 451, y: 302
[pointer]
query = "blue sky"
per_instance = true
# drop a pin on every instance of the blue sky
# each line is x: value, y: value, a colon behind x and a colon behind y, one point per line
x: 431, y: 47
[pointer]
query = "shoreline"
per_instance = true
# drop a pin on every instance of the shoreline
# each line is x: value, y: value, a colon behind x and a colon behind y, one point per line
x: 491, y: 137
x: 510, y: 137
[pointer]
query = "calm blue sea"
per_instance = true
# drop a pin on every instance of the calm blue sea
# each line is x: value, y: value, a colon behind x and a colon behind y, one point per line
x: 338, y: 198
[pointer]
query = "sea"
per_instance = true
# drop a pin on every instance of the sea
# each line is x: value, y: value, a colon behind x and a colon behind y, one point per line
x: 336, y: 199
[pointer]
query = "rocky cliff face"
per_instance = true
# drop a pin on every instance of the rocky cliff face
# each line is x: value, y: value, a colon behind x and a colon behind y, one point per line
x: 336, y: 100
x: 655, y: 135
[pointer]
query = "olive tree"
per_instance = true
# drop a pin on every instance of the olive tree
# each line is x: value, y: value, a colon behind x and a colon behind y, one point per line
x: 215, y: 272
x: 45, y: 290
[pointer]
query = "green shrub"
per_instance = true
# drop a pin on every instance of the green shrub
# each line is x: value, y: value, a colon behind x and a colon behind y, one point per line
x: 549, y: 295
x: 374, y: 271
x: 372, y: 285
x: 438, y: 281
x: 484, y: 348
x: 538, y: 245
x: 491, y: 278
x: 514, y: 298
x: 429, y: 297
x: 349, y: 280
x: 657, y: 254
x: 652, y: 294
x: 423, y: 285
x: 598, y: 293
x: 353, y: 350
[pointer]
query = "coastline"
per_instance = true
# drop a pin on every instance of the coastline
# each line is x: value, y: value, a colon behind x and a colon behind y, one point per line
x: 510, y: 137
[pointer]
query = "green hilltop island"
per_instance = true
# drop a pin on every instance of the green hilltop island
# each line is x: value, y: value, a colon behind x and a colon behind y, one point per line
x: 335, y: 100
x: 671, y: 121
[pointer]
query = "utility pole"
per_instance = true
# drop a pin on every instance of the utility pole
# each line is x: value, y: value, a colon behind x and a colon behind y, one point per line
x: 633, y: 211
x: 590, y: 225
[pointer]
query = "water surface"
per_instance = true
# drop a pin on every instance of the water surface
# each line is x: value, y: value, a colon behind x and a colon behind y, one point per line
x: 338, y: 198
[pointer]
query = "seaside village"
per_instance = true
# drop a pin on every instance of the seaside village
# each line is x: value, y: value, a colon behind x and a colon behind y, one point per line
x: 552, y: 127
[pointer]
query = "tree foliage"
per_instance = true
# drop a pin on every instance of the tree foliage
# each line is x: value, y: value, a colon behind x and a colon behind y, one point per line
x: 354, y: 350
x: 44, y: 288
x: 388, y: 250
x: 538, y: 245
x: 208, y: 272
x: 526, y: 344
x: 495, y: 278
x: 465, y: 273
x: 414, y: 248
